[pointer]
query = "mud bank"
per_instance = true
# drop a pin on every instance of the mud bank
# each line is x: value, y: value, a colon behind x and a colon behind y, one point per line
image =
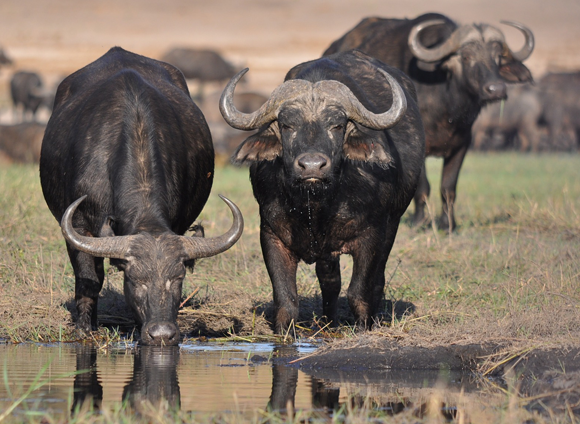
x: 543, y: 377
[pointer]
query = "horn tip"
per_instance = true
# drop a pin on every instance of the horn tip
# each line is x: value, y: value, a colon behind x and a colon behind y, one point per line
x: 432, y: 22
x: 242, y: 72
x: 79, y: 201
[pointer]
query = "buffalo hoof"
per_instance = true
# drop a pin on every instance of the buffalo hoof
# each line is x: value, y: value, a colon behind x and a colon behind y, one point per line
x: 443, y: 224
x: 83, y: 332
x: 85, y: 325
x: 286, y: 318
x: 420, y: 221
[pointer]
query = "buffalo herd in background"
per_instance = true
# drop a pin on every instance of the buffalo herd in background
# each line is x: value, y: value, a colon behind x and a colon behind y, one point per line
x: 539, y: 116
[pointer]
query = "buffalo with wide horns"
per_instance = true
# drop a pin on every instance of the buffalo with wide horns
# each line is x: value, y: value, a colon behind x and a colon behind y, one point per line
x: 334, y: 165
x: 126, y: 166
x: 456, y: 70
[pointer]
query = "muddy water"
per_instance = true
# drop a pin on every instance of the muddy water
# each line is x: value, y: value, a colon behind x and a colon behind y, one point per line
x: 199, y: 378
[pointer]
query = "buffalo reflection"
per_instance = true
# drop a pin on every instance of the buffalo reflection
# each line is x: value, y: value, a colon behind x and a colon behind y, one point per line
x: 87, y: 386
x: 285, y: 381
x: 154, y: 383
x: 154, y: 377
x: 154, y: 380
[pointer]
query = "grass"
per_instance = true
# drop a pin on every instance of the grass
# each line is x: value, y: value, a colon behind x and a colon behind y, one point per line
x: 492, y: 405
x: 510, y: 271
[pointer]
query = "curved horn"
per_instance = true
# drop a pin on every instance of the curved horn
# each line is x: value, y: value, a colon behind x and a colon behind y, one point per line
x: 198, y: 247
x: 102, y: 247
x: 357, y: 112
x: 267, y: 113
x: 460, y: 36
x: 237, y: 119
x: 437, y: 53
x: 528, y: 47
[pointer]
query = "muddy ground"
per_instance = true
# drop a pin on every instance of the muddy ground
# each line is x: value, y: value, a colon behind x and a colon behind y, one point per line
x: 546, y: 379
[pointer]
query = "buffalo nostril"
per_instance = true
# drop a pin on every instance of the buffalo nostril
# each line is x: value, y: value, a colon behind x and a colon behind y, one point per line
x: 162, y: 333
x: 312, y: 162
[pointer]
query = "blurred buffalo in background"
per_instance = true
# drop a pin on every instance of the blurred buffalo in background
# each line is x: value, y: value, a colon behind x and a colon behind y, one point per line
x: 510, y: 124
x: 28, y: 91
x: 560, y: 97
x: 203, y: 65
x: 225, y: 138
x: 540, y: 117
x: 456, y: 69
x: 21, y: 142
x: 4, y: 60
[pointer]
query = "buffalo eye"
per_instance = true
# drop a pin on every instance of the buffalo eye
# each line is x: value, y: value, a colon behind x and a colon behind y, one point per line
x: 339, y: 127
x: 285, y: 127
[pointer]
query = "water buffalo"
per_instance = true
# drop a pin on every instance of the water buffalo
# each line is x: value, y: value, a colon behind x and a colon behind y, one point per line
x: 334, y: 165
x: 27, y: 90
x: 4, y: 60
x: 456, y: 70
x: 560, y: 97
x: 517, y: 116
x: 126, y: 136
x: 201, y: 64
x: 21, y: 142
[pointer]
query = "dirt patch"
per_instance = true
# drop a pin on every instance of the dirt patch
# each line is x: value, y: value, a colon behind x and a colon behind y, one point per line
x: 388, y: 355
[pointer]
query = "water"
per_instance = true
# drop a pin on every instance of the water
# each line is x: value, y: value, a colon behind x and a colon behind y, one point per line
x: 196, y: 377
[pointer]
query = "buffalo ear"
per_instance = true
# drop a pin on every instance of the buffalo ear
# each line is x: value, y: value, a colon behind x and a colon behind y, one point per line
x: 264, y: 145
x: 428, y: 66
x: 366, y: 145
x: 515, y: 71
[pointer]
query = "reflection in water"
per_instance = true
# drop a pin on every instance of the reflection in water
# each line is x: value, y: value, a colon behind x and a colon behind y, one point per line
x: 155, y: 381
x: 210, y: 378
x: 87, y: 387
x: 154, y: 378
x: 324, y: 397
x: 285, y: 382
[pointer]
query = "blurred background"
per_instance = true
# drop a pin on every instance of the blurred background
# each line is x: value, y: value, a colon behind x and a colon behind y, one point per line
x: 53, y: 39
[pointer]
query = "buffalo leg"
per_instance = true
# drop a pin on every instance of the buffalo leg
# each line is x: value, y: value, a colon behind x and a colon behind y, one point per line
x: 284, y: 383
x: 365, y: 291
x: 281, y: 264
x: 328, y: 273
x: 554, y: 119
x: 87, y: 386
x: 451, y: 167
x: 421, y: 196
x: 89, y: 276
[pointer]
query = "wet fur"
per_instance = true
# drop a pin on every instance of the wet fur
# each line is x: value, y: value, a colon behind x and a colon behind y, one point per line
x: 355, y: 210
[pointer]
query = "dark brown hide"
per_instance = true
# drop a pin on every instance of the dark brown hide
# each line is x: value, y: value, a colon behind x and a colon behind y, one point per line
x: 469, y: 70
x: 326, y: 184
x: 126, y: 166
